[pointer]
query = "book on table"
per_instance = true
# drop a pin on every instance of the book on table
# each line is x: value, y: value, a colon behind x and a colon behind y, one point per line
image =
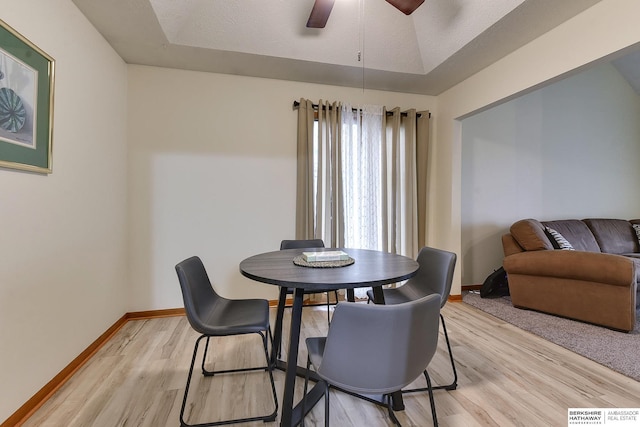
x: 325, y: 256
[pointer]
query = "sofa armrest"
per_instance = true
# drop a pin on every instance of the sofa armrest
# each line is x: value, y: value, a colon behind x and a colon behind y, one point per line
x: 510, y: 246
x: 576, y: 265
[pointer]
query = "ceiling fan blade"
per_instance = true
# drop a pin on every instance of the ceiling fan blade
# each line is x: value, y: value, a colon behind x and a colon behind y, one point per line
x: 406, y: 6
x: 320, y: 13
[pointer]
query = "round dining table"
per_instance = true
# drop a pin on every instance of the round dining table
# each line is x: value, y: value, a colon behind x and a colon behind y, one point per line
x: 369, y: 269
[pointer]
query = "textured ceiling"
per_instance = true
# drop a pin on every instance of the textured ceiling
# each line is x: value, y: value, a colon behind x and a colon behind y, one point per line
x: 366, y: 43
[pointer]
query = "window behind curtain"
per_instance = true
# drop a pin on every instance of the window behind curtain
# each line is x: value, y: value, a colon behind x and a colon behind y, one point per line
x: 361, y: 176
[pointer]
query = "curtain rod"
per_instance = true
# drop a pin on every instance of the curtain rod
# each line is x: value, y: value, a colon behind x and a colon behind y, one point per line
x: 296, y: 104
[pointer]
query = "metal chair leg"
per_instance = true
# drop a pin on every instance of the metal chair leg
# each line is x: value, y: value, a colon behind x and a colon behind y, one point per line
x: 270, y: 367
x: 431, y: 400
x: 304, y: 392
x: 454, y: 384
x: 328, y: 310
x: 392, y: 415
x: 326, y: 404
x: 186, y: 390
x: 265, y: 418
x: 207, y: 373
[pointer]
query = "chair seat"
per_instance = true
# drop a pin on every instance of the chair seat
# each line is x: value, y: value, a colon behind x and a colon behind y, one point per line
x: 235, y: 317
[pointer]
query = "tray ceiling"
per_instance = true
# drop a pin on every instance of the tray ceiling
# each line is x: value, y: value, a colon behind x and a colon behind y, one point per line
x: 366, y: 43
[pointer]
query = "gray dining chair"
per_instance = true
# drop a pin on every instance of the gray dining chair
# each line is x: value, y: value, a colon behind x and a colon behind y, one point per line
x: 309, y: 244
x: 435, y: 276
x: 212, y: 315
x: 376, y: 349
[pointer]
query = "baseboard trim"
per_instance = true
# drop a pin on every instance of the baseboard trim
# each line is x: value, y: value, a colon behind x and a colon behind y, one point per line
x: 154, y: 314
x: 39, y: 399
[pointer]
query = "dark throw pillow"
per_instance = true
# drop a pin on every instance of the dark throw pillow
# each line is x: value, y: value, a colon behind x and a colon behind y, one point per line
x: 557, y: 240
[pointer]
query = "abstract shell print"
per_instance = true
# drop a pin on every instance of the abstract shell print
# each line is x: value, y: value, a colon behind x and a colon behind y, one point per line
x: 18, y: 86
x: 12, y: 111
x: 26, y: 103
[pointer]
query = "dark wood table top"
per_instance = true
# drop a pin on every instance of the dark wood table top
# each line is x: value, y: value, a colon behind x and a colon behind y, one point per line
x: 371, y: 268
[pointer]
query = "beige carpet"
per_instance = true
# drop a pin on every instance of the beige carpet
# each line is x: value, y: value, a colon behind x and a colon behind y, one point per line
x: 617, y: 350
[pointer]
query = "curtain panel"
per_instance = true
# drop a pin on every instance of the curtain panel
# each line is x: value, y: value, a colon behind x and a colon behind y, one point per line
x: 407, y: 151
x: 319, y: 182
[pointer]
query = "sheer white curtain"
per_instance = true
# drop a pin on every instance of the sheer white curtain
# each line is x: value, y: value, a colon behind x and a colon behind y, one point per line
x: 362, y: 176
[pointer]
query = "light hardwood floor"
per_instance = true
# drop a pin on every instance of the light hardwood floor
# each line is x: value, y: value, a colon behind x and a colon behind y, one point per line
x: 507, y: 377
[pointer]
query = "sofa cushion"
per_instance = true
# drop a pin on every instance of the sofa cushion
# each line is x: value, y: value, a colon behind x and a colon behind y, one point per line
x: 614, y: 236
x: 529, y: 233
x: 576, y: 232
x: 557, y: 240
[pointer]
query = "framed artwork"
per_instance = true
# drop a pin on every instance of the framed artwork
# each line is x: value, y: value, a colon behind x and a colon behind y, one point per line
x: 26, y: 103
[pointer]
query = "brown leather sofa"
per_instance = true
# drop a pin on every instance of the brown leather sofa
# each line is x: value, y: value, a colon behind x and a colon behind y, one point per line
x: 595, y: 280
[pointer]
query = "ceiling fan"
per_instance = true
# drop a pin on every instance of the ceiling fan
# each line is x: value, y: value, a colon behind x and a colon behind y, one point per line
x: 322, y: 9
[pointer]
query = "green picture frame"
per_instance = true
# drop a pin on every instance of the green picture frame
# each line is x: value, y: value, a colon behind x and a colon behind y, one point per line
x: 26, y: 103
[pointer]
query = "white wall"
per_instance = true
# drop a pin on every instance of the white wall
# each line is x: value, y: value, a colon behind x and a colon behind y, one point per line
x: 600, y: 31
x: 213, y: 169
x: 63, y: 251
x: 569, y: 150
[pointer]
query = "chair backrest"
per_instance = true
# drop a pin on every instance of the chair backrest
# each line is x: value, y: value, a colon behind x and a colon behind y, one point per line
x: 435, y: 274
x: 197, y: 293
x: 378, y: 349
x: 300, y: 244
